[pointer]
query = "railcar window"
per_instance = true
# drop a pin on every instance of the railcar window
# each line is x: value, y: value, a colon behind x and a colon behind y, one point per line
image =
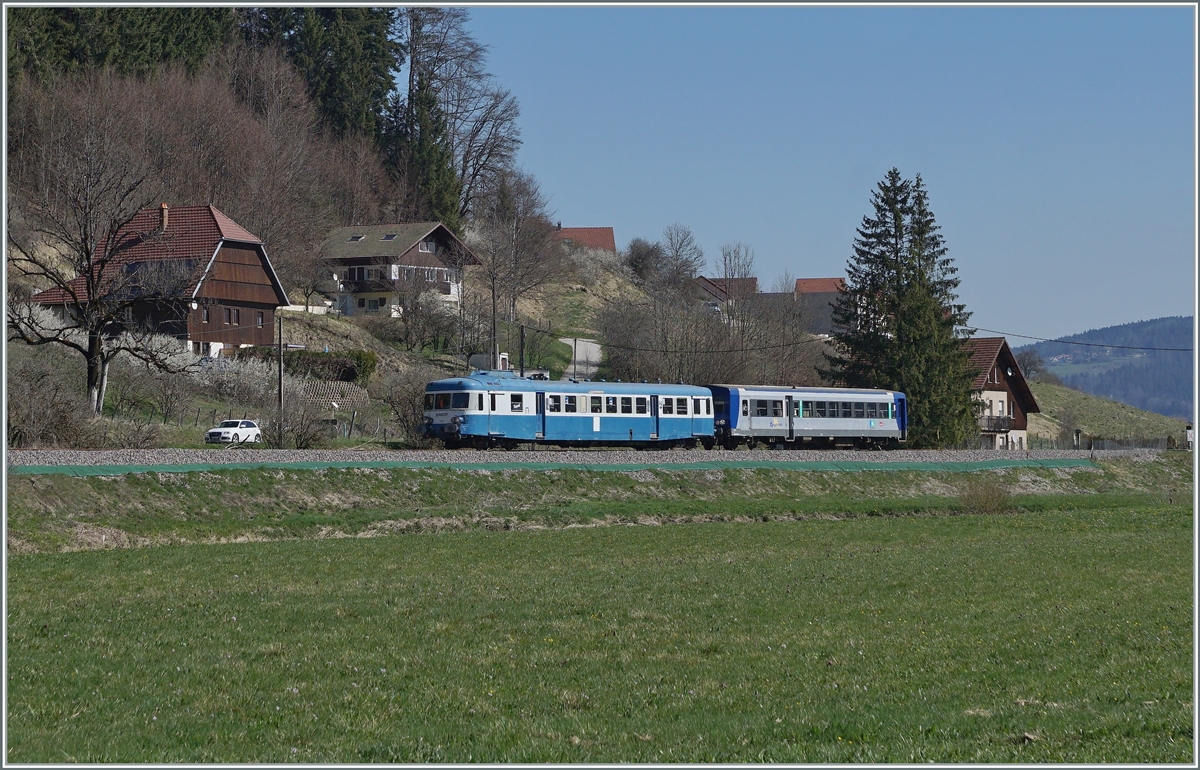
x: 745, y: 408
x: 871, y: 411
x: 641, y: 405
x: 554, y: 404
x: 858, y: 410
x: 681, y: 406
x: 795, y: 409
x: 428, y: 400
x: 760, y: 408
x: 666, y: 407
x: 481, y: 402
x: 626, y: 405
x: 595, y: 404
x: 460, y: 400
x: 516, y: 402
x: 819, y: 408
x: 721, y: 406
x: 708, y: 407
x: 569, y: 406
x: 777, y: 409
x: 808, y: 409
x: 493, y: 402
x: 610, y: 404
x: 696, y: 406
x: 441, y: 401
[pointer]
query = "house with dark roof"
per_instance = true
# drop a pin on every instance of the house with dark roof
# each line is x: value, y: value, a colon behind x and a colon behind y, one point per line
x: 227, y: 290
x: 378, y: 267
x: 817, y: 297
x: 1003, y: 392
x: 601, y: 238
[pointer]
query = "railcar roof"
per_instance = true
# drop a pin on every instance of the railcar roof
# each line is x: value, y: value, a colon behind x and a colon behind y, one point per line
x: 814, y: 391
x: 508, y: 382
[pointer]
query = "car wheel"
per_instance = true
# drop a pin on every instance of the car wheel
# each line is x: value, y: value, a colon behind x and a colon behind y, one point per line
x: 257, y: 437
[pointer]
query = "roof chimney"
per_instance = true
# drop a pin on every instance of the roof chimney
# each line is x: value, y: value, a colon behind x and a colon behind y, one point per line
x: 162, y: 210
x: 560, y: 225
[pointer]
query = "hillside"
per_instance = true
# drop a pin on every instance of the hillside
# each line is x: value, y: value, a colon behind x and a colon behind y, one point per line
x: 1096, y: 416
x: 1154, y: 380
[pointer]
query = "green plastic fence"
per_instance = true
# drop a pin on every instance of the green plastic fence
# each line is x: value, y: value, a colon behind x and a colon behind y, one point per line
x: 119, y: 470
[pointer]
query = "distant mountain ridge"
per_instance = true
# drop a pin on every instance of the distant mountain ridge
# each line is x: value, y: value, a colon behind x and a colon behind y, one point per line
x: 1155, y: 380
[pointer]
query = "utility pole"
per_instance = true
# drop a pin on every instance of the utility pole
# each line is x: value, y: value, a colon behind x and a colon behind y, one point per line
x: 522, y: 350
x: 279, y: 316
x: 575, y: 359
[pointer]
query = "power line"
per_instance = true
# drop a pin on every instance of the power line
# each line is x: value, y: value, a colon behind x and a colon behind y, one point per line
x: 1086, y: 344
x: 734, y: 350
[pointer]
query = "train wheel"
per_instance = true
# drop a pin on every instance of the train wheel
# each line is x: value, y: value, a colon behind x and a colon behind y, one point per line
x: 708, y: 443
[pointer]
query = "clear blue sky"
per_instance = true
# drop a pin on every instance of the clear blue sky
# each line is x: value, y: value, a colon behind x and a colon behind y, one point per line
x: 1058, y: 144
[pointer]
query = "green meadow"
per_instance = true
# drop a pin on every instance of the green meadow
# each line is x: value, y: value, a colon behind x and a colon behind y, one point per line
x: 1058, y: 632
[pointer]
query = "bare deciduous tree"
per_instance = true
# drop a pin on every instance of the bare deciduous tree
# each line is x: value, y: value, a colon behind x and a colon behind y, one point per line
x: 683, y: 259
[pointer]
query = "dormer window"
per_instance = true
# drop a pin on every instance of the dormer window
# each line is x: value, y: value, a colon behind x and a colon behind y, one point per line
x: 429, y: 246
x: 355, y: 238
x: 389, y: 237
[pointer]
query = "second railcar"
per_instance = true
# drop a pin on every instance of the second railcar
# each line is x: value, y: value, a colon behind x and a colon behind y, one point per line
x: 808, y: 417
x: 497, y: 408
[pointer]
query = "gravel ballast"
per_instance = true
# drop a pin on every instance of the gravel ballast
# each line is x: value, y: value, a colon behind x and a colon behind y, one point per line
x: 664, y: 459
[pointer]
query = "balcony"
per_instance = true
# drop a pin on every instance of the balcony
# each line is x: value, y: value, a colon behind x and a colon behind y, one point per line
x: 989, y: 424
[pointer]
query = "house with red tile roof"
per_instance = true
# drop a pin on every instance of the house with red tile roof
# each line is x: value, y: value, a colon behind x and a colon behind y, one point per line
x: 226, y: 292
x: 818, y: 295
x: 1006, y: 398
x: 601, y: 238
x: 381, y: 267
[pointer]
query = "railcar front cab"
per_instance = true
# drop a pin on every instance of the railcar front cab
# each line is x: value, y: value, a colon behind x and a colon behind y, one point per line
x: 808, y: 417
x: 454, y: 410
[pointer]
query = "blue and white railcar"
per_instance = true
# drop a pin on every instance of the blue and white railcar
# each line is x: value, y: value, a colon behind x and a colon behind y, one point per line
x: 498, y: 408
x: 808, y: 417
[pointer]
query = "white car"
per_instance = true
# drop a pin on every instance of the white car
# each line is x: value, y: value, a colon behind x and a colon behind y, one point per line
x: 234, y: 432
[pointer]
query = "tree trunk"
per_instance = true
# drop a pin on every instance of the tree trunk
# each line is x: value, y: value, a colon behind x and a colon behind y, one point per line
x: 96, y: 366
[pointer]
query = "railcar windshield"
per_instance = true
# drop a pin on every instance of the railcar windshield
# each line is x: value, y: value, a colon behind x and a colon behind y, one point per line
x: 447, y: 400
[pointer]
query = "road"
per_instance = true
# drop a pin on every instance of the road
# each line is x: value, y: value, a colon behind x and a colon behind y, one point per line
x: 587, y: 358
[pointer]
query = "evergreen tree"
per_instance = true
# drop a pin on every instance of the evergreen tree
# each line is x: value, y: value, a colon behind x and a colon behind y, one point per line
x: 421, y: 159
x: 901, y: 327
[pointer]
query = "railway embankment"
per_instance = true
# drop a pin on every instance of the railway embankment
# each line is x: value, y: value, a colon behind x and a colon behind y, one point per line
x: 168, y: 497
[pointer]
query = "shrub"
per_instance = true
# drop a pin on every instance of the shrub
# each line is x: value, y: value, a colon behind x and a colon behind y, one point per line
x: 404, y: 394
x: 985, y: 493
x: 43, y: 410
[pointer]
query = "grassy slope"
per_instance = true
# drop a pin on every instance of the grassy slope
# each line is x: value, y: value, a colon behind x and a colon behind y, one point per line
x: 1048, y: 637
x: 50, y: 513
x: 1097, y: 416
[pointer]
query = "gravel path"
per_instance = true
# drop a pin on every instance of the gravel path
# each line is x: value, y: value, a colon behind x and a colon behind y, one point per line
x: 543, y: 455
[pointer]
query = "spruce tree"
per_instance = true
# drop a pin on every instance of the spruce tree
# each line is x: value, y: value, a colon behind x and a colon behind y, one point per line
x: 900, y: 324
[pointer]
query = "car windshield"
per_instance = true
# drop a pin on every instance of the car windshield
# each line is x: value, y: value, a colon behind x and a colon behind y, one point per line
x: 228, y: 424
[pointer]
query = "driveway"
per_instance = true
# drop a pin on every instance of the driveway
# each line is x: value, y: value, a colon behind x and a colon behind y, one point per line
x: 587, y: 358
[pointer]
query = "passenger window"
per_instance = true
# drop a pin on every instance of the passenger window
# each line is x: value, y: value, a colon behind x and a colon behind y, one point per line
x: 795, y: 409
x: 570, y: 404
x: 696, y: 406
x: 517, y: 402
x: 555, y: 404
x: 626, y: 405
x: 667, y: 406
x: 871, y: 411
x: 610, y: 404
x: 819, y: 408
x: 808, y: 409
x: 481, y: 402
x: 493, y: 402
x: 641, y: 405
x: 847, y: 409
x: 745, y: 408
x: 595, y: 404
x: 681, y: 406
x: 760, y: 408
x: 708, y: 407
x: 858, y: 410
x: 777, y: 409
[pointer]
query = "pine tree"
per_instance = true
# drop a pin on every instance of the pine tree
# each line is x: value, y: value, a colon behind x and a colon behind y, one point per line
x: 901, y: 327
x: 420, y: 158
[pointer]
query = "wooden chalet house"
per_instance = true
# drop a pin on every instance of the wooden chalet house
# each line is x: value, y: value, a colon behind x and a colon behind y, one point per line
x: 226, y: 290
x: 1005, y: 395
x: 376, y: 266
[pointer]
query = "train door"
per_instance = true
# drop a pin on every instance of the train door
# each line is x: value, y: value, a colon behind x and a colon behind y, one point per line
x: 791, y: 427
x: 654, y: 418
x: 493, y: 424
x: 541, y: 414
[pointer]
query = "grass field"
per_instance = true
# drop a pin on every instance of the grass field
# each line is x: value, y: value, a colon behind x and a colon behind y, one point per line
x: 1051, y: 636
x: 1097, y: 416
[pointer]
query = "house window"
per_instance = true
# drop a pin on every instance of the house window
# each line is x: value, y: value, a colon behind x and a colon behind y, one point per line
x: 362, y: 302
x: 228, y: 316
x: 204, y: 314
x: 1010, y: 408
x: 429, y: 246
x: 258, y: 319
x: 355, y: 238
x: 237, y: 316
x: 1001, y: 410
x: 389, y: 237
x: 372, y: 304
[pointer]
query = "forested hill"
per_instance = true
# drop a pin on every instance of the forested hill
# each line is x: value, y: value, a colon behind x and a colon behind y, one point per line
x: 1155, y: 380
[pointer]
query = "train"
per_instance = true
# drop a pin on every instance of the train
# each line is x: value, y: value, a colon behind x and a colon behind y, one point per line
x: 498, y: 409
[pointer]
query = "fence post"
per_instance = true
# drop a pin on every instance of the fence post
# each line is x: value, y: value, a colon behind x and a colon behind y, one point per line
x: 353, y: 417
x: 213, y: 419
x: 196, y: 424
